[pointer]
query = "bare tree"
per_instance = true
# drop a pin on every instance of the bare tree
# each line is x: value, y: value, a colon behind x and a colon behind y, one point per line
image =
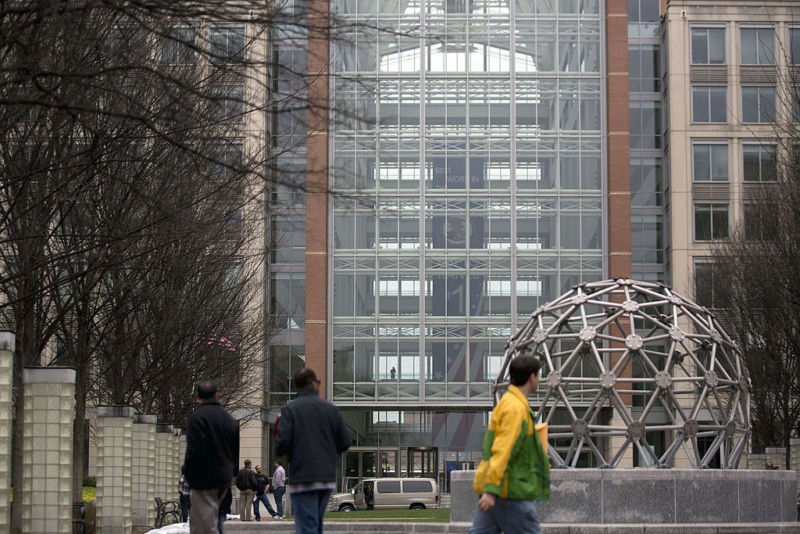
x: 756, y: 272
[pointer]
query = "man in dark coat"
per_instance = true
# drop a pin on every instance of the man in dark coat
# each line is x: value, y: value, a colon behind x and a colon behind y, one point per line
x: 247, y: 484
x: 212, y: 457
x: 312, y: 434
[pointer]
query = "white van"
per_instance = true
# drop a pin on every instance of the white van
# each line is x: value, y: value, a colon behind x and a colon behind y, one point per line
x: 389, y: 493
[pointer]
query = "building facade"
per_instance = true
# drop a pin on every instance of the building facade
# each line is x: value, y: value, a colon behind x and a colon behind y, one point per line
x: 480, y: 157
x: 730, y: 77
x: 477, y: 163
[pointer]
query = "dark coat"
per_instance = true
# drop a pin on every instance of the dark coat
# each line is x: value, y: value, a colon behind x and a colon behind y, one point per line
x: 246, y: 480
x: 212, y: 447
x: 312, y: 434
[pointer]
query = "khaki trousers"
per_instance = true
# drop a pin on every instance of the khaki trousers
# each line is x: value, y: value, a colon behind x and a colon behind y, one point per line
x: 246, y: 505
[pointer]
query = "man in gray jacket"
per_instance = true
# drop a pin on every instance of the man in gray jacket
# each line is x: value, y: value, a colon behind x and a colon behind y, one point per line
x: 312, y: 434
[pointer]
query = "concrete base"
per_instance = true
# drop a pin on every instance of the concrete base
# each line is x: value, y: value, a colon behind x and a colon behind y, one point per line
x: 653, y: 496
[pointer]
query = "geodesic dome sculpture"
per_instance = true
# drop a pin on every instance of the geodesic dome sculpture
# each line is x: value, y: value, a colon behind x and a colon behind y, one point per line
x: 623, y: 359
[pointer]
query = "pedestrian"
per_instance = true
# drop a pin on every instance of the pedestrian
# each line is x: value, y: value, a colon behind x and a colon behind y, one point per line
x: 224, y: 509
x: 185, y: 494
x: 246, y: 484
x: 312, y: 434
x: 262, y: 483
x: 212, y: 456
x: 278, y: 486
x: 507, y: 483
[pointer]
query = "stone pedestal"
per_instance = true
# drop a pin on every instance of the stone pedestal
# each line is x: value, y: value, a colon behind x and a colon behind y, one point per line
x: 46, y: 488
x: 652, y: 497
x: 776, y: 455
x: 143, y: 475
x: 166, y: 487
x: 114, y: 469
x: 7, y: 343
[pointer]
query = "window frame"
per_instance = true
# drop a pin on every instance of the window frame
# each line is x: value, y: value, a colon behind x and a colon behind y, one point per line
x: 707, y: 27
x: 757, y: 28
x: 226, y: 56
x: 711, y: 206
x: 794, y: 60
x: 710, y: 100
x: 761, y: 146
x: 710, y: 286
x: 710, y: 143
x: 759, y: 100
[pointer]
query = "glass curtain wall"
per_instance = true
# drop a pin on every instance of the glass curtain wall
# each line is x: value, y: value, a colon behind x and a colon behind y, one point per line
x: 288, y: 203
x: 649, y: 178
x: 468, y: 170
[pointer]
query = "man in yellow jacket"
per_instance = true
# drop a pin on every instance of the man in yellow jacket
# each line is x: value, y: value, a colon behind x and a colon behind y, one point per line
x: 515, y: 469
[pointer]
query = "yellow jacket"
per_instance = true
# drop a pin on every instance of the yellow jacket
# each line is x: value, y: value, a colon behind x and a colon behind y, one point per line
x: 514, y: 464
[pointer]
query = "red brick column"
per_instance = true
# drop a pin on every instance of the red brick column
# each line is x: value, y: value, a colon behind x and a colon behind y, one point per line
x: 619, y: 157
x: 317, y: 197
x: 619, y: 171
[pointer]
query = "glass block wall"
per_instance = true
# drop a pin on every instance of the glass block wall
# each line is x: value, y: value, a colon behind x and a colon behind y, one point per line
x: 176, y: 464
x: 164, y: 485
x: 7, y: 343
x: 143, y: 470
x: 114, y: 469
x: 49, y: 404
x: 182, y: 450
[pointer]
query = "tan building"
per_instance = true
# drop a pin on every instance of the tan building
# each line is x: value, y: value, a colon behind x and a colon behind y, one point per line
x: 727, y: 72
x: 727, y: 78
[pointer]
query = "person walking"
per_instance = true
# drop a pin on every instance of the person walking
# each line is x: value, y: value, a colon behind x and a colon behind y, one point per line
x: 212, y: 456
x: 312, y: 434
x: 507, y: 483
x: 246, y: 484
x: 278, y: 486
x: 262, y: 483
x: 185, y: 494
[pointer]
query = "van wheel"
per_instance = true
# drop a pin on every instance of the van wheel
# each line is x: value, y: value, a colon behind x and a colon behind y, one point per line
x: 417, y: 506
x: 346, y: 508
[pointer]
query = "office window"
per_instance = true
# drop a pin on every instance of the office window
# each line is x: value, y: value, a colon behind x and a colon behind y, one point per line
x: 706, y: 284
x: 227, y: 44
x: 760, y: 223
x: 644, y: 69
x: 758, y: 104
x: 178, y: 47
x: 708, y: 46
x: 794, y: 97
x: 710, y: 222
x: 759, y: 162
x: 710, y: 162
x: 645, y: 124
x: 228, y: 158
x: 794, y: 46
x: 643, y: 18
x: 757, y: 46
x: 230, y: 104
x: 709, y: 104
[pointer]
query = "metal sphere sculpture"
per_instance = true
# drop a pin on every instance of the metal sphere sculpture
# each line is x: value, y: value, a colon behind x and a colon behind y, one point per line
x: 655, y: 360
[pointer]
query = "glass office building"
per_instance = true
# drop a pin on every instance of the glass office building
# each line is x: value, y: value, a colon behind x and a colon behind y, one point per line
x: 467, y: 159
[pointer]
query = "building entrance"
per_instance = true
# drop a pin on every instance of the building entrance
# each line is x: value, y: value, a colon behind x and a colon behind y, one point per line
x: 365, y: 462
x: 423, y: 462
